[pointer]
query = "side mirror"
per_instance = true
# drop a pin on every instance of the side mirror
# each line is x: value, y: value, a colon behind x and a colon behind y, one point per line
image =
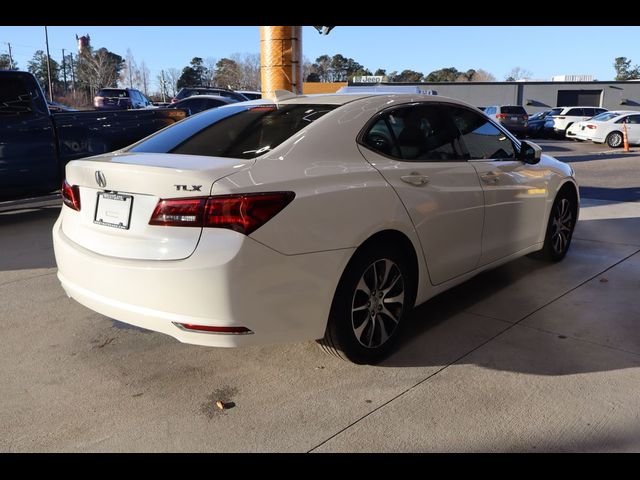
x: 529, y: 152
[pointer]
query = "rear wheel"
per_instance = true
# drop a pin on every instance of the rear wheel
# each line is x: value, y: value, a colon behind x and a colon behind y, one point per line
x: 560, y: 227
x: 614, y: 139
x: 373, y: 298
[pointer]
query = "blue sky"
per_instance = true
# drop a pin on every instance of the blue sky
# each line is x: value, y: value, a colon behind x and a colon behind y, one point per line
x: 545, y: 51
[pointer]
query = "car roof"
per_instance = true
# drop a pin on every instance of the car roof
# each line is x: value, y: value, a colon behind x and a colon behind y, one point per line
x: 213, y: 97
x: 344, y: 98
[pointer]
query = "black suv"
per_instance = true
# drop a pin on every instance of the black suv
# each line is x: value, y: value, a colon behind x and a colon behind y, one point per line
x: 223, y: 92
x: 120, y: 99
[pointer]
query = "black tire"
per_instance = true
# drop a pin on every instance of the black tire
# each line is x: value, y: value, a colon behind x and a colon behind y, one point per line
x: 562, y: 222
x: 353, y: 333
x: 615, y: 140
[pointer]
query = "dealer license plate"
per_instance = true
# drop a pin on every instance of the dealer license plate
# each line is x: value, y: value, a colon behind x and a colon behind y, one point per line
x: 113, y: 210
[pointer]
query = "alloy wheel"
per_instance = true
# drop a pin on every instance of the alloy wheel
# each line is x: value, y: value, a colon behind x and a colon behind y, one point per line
x: 377, y: 305
x: 562, y: 226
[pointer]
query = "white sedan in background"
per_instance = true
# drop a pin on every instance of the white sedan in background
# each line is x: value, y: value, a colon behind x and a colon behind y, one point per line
x: 608, y: 127
x: 323, y: 217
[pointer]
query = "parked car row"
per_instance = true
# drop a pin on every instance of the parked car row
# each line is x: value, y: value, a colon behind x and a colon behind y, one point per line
x: 608, y: 127
x: 131, y: 99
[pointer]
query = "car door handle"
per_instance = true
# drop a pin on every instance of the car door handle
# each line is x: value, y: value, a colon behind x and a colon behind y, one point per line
x: 415, y: 179
x: 490, y: 177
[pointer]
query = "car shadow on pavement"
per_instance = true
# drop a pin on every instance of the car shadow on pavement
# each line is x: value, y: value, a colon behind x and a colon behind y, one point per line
x: 22, y: 242
x: 594, y: 156
x: 450, y: 327
x: 631, y: 194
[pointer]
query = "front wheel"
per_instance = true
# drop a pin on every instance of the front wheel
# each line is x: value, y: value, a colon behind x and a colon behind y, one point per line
x: 373, y: 298
x: 562, y: 222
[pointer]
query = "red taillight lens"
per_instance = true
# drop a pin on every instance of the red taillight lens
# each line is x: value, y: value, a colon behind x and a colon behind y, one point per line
x: 181, y: 212
x: 174, y: 100
x: 591, y: 127
x: 243, y: 213
x: 501, y: 115
x: 71, y: 195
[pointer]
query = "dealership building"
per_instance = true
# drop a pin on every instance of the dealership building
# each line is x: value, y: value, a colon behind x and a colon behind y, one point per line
x: 537, y: 96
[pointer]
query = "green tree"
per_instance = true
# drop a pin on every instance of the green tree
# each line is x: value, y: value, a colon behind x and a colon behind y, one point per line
x: 622, y: 65
x: 38, y: 67
x: 322, y: 67
x: 408, y: 76
x: 443, y: 75
x: 5, y: 63
x: 381, y: 72
x: 193, y: 75
x: 228, y: 73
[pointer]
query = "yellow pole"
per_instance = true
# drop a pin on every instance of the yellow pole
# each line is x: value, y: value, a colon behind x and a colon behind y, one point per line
x: 280, y: 60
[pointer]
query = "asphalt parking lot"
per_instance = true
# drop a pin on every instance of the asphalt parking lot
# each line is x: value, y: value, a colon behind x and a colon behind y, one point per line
x: 527, y: 357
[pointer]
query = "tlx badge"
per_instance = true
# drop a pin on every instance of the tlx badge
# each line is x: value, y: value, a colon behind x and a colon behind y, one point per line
x: 187, y: 188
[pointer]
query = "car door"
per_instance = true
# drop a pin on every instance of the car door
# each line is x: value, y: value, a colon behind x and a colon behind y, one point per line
x: 633, y: 129
x: 416, y: 148
x: 28, y: 153
x: 515, y: 193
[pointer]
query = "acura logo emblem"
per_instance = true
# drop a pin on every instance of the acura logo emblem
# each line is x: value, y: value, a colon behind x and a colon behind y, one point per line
x: 101, y: 179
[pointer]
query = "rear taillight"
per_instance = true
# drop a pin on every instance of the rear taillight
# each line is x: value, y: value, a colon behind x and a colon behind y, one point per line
x: 71, y: 195
x: 98, y: 102
x: 174, y: 100
x: 591, y: 127
x: 501, y: 115
x: 243, y: 213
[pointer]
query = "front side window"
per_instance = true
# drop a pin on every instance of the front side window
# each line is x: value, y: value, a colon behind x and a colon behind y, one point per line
x: 482, y: 139
x: 575, y: 112
x: 424, y: 133
x: 234, y: 131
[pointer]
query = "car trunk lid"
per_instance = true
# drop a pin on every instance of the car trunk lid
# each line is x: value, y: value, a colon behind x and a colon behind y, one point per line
x: 119, y: 192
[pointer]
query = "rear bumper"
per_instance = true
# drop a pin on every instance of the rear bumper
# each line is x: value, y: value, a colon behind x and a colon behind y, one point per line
x: 230, y: 283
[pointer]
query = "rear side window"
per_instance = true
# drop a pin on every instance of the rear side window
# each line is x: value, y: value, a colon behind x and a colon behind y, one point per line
x: 15, y: 98
x: 575, y: 112
x: 380, y: 139
x: 234, y: 131
x: 482, y: 139
x: 513, y: 110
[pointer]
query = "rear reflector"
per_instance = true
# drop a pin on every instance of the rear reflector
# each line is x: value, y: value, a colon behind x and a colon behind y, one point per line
x: 210, y: 329
x: 265, y: 108
x: 71, y: 195
x: 243, y: 213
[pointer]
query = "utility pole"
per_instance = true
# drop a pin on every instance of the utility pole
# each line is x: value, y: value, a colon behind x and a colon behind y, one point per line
x: 10, y: 57
x: 164, y: 88
x: 46, y: 36
x: 73, y: 75
x: 280, y: 59
x: 64, y: 71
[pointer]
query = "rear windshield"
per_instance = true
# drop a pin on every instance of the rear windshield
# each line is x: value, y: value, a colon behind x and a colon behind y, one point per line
x: 513, y: 109
x: 112, y: 92
x: 233, y: 131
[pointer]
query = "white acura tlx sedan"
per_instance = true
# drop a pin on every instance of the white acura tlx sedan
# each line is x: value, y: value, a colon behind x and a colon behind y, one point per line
x: 309, y: 217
